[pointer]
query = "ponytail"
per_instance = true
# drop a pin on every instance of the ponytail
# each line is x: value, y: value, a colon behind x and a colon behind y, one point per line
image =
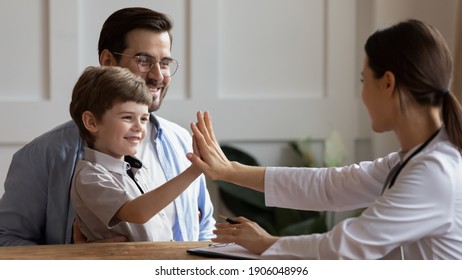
x: 452, y: 119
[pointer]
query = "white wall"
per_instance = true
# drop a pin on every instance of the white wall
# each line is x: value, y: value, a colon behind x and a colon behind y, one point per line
x: 303, y: 82
x: 371, y: 14
x: 375, y: 14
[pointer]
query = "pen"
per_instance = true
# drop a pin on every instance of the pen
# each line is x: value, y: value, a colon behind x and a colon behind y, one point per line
x: 233, y: 222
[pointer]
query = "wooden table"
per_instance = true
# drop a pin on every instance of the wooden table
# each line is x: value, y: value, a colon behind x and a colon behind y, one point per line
x: 104, y: 251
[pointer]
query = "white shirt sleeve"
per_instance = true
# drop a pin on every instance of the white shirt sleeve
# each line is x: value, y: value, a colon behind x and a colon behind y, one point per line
x: 334, y: 189
x: 418, y: 205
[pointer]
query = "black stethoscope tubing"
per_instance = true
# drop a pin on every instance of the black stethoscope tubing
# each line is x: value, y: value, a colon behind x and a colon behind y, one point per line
x: 401, y: 166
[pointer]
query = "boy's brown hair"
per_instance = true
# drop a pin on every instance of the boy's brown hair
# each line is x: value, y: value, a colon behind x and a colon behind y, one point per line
x: 99, y: 88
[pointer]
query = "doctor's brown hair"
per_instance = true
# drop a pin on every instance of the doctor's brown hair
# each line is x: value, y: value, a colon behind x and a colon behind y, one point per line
x: 419, y: 58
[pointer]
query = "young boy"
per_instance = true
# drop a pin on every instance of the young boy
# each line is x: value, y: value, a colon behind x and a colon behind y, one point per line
x: 110, y: 107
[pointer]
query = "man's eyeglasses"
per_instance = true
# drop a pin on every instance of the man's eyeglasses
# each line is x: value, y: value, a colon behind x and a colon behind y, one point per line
x: 145, y: 63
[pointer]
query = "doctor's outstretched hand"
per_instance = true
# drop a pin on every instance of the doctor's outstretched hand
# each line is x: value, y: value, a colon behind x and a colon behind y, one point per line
x: 211, y: 160
x: 207, y: 155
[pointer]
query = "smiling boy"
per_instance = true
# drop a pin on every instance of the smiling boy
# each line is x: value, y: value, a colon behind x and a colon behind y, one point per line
x: 109, y: 191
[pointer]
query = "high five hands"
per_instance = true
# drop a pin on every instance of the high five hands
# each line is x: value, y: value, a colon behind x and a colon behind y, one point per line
x: 210, y: 159
x: 208, y: 155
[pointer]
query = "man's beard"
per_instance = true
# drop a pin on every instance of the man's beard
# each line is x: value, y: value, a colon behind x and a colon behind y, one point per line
x: 155, y: 105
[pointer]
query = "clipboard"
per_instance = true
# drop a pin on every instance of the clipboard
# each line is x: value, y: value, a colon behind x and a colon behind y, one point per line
x: 224, y: 251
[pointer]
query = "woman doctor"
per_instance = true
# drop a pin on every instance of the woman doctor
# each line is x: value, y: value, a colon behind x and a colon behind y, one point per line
x: 413, y: 196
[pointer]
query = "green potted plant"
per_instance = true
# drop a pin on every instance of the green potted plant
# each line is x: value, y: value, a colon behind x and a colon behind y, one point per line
x: 251, y: 204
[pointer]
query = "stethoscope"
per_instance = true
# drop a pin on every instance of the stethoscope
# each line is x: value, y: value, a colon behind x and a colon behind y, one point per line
x: 394, y: 172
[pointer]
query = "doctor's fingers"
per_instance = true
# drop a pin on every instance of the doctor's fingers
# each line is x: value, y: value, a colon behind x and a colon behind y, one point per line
x: 202, y: 127
x: 229, y: 235
x: 199, y: 141
x: 209, y: 126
